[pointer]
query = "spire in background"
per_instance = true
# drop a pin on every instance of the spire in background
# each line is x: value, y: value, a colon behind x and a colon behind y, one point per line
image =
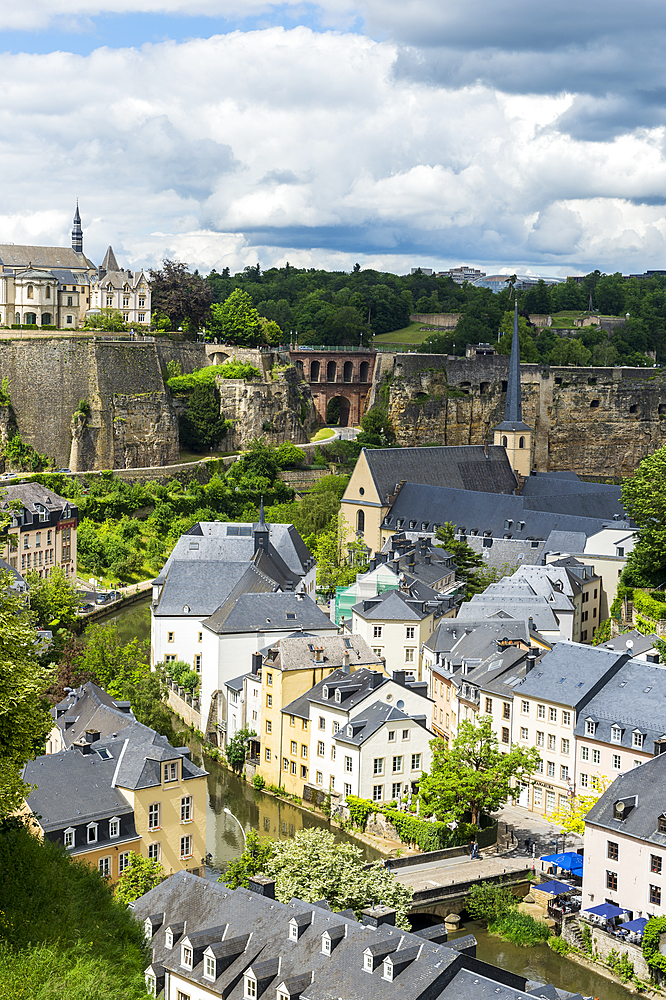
x: 77, y: 231
x: 262, y: 523
x: 110, y: 263
x: 513, y: 408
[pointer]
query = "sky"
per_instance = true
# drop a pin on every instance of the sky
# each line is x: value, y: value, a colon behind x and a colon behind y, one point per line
x: 392, y: 133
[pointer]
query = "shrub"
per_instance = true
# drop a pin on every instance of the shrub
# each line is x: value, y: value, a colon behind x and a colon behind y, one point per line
x: 520, y: 929
x: 559, y: 945
x: 648, y: 606
x: 259, y: 782
x: 650, y: 946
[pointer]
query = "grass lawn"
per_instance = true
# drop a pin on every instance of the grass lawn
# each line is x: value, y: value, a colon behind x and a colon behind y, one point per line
x: 323, y: 434
x: 192, y: 456
x: 411, y: 334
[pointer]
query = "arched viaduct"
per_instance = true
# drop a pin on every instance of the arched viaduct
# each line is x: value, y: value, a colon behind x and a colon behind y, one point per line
x: 344, y: 374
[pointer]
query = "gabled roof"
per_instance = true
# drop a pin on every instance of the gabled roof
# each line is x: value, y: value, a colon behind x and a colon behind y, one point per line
x: 571, y: 673
x: 374, y: 717
x: 19, y: 255
x: 633, y: 699
x: 647, y: 782
x: 396, y: 605
x: 268, y: 612
x: 90, y: 707
x: 466, y: 467
x: 73, y: 788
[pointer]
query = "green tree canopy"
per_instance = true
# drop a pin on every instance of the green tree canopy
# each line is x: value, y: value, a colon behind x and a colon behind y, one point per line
x: 312, y: 866
x: 140, y: 876
x: 185, y: 298
x: 644, y: 499
x: 237, y: 748
x: 467, y: 561
x: 472, y: 775
x: 53, y: 599
x: 377, y: 431
x: 236, y: 320
x: 202, y: 426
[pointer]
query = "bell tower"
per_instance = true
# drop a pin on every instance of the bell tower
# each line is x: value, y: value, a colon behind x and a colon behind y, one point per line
x: 77, y: 232
x: 512, y: 433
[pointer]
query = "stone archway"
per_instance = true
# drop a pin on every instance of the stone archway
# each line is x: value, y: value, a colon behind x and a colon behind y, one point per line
x: 340, y: 407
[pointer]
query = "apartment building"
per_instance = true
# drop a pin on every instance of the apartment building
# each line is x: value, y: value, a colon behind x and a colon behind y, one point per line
x: 291, y: 667
x: 42, y: 531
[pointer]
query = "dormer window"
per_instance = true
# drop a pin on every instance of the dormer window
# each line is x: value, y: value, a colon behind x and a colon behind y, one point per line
x: 92, y: 833
x: 210, y: 966
x: 662, y: 824
x: 324, y: 692
x: 325, y: 944
x: 186, y: 957
x: 388, y: 971
x: 249, y: 988
x: 282, y: 995
x: 171, y: 771
x: 590, y: 727
x: 114, y: 827
x: 148, y: 929
x: 69, y: 837
x: 350, y: 730
x: 367, y: 963
x: 637, y: 740
x: 293, y: 930
x: 338, y: 696
x: 616, y: 734
x: 151, y: 985
x: 168, y: 938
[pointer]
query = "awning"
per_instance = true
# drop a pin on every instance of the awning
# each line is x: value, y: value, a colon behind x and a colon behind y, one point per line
x: 606, y: 910
x: 634, y: 925
x: 553, y: 888
x: 569, y: 861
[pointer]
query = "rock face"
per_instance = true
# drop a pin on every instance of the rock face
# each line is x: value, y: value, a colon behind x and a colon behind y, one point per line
x: 278, y: 411
x: 596, y: 421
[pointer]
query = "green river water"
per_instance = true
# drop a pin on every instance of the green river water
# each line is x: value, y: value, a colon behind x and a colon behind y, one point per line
x: 233, y: 803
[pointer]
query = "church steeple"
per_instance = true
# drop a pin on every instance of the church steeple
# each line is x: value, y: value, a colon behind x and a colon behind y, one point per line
x: 77, y: 231
x: 514, y: 435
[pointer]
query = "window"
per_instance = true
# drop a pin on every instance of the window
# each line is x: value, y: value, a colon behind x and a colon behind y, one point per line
x: 69, y: 837
x: 590, y: 727
x: 209, y: 968
x: 336, y: 728
x: 611, y: 881
x: 348, y: 789
x: 524, y: 733
x: 550, y: 769
x: 294, y: 747
x: 655, y: 864
x: 565, y: 747
x: 197, y: 662
x: 104, y: 867
x: 186, y: 957
x: 92, y: 833
x: 617, y: 762
x: 405, y: 734
x: 583, y: 780
x: 377, y: 793
x: 269, y: 726
x: 540, y: 766
x: 171, y: 772
x: 269, y: 679
x: 550, y: 801
x: 540, y: 738
x: 320, y: 748
x: 489, y: 706
x: 154, y: 816
x: 322, y: 722
x: 292, y: 767
x: 416, y: 762
x: 304, y: 772
x: 186, y: 847
x: 200, y: 636
x: 506, y: 710
x: 377, y: 650
x: 638, y: 740
x: 114, y: 827
x: 267, y: 753
x: 186, y: 809
x: 378, y: 765
x: 320, y: 778
x: 285, y: 763
x: 505, y: 735
x: 183, y: 996
x: 584, y: 753
x: 269, y: 701
x: 349, y: 765
x: 566, y: 718
x: 552, y: 715
x: 541, y: 711
x: 538, y: 797
x: 596, y: 756
x: 304, y: 750
x: 391, y: 735
x: 551, y: 741
x: 169, y: 636
x: 377, y: 631
x: 250, y: 988
x: 525, y: 707
x: 564, y: 772
x: 332, y: 753
x: 616, y: 734
x: 397, y: 765
x: 409, y: 655
x: 292, y: 718
x: 409, y: 631
x: 655, y: 895
x: 154, y: 852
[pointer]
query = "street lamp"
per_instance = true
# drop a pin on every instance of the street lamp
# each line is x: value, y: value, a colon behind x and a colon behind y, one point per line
x: 229, y: 813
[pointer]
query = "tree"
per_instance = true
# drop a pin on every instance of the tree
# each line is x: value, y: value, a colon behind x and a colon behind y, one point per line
x: 236, y: 320
x: 377, y: 431
x: 202, y: 426
x: 110, y: 662
x: 237, y: 747
x: 251, y: 862
x: 467, y: 561
x: 53, y: 598
x: 140, y: 876
x: 180, y: 295
x: 570, y: 351
x: 472, y: 775
x: 311, y: 866
x: 528, y: 349
x: 109, y: 320
x: 24, y: 717
x: 571, y: 817
x: 491, y: 901
x: 644, y: 499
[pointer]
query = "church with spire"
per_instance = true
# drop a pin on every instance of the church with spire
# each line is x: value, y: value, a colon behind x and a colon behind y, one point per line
x: 57, y: 288
x: 512, y: 433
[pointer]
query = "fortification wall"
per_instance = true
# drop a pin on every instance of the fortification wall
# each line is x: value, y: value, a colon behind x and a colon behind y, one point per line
x: 596, y: 421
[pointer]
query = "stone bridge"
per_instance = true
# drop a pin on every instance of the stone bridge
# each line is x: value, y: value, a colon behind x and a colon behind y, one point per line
x: 346, y: 375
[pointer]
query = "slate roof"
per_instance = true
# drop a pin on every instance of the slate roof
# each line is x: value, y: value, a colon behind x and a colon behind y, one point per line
x: 641, y: 643
x: 478, y: 512
x: 74, y: 788
x: 18, y: 255
x: 397, y: 605
x: 110, y: 263
x: 30, y: 494
x: 565, y: 541
x: 90, y: 707
x: 482, y: 639
x: 267, y: 612
x: 297, y: 652
x: 466, y: 467
x: 634, y: 698
x: 594, y: 505
x: 547, y: 484
x: 571, y: 674
x: 642, y: 821
x: 511, y: 601
x: 374, y: 717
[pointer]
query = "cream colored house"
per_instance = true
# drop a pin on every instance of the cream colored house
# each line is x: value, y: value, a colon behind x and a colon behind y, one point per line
x: 126, y: 291
x: 42, y: 533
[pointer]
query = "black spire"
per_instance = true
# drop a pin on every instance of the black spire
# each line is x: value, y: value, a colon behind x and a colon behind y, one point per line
x: 77, y: 232
x: 513, y: 408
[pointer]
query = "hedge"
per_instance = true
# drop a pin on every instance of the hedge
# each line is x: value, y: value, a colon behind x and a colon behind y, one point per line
x: 410, y: 828
x: 648, y: 606
x: 654, y: 928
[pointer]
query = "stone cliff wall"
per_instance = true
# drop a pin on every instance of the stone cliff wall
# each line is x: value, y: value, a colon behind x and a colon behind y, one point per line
x: 596, y: 421
x: 278, y: 411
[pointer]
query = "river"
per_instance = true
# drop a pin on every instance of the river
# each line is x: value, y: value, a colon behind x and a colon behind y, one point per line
x: 233, y: 803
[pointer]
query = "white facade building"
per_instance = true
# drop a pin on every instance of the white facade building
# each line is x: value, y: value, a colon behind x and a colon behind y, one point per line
x: 126, y: 291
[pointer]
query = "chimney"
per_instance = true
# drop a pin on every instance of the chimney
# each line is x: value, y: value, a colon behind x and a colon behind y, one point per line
x: 531, y: 661
x: 83, y: 746
x: 319, y: 654
x: 373, y: 563
x: 399, y: 677
x: 257, y: 660
x: 345, y: 661
x: 375, y: 916
x: 91, y: 735
x: 262, y: 885
x: 427, y: 559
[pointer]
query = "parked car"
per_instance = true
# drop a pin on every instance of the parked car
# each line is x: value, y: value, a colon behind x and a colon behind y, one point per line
x: 9, y: 475
x: 103, y: 599
x: 65, y: 471
x: 85, y: 608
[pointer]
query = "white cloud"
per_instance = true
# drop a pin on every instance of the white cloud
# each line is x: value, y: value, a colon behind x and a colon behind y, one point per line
x: 306, y: 146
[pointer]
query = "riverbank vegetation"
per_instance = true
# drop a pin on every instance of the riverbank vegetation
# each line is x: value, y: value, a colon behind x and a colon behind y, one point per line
x: 496, y: 904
